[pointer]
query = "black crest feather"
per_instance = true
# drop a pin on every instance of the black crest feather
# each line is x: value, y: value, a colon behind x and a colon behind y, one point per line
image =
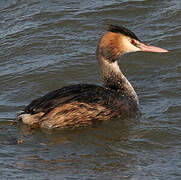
x: 122, y: 30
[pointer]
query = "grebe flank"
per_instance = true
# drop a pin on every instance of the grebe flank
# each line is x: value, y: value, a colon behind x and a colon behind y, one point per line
x: 85, y: 104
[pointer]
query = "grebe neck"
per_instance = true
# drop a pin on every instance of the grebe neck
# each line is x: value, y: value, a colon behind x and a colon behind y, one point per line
x: 114, y: 79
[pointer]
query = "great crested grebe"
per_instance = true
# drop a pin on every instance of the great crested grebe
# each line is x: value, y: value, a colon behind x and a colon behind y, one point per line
x: 85, y: 104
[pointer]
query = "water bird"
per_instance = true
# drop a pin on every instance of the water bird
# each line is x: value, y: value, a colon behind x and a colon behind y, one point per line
x: 85, y: 104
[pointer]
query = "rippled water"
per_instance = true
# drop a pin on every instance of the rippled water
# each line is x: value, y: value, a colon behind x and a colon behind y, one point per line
x: 48, y: 44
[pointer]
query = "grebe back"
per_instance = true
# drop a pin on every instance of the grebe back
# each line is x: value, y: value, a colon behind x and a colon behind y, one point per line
x: 85, y: 104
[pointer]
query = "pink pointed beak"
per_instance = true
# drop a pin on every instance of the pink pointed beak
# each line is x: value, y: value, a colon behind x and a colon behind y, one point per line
x: 148, y: 48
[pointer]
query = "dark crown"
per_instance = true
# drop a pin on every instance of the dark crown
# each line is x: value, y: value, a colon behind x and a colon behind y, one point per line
x: 122, y: 30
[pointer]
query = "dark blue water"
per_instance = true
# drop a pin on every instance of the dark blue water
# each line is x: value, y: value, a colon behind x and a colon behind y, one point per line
x: 49, y: 44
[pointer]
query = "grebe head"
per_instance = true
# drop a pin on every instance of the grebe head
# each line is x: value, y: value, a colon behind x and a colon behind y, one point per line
x: 119, y: 40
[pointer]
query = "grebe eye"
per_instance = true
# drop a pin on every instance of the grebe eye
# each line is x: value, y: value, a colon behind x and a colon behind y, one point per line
x: 133, y: 42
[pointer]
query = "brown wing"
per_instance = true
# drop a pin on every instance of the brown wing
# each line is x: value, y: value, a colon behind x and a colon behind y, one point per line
x: 85, y: 93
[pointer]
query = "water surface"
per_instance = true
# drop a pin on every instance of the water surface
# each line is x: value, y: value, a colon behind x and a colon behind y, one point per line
x: 49, y: 44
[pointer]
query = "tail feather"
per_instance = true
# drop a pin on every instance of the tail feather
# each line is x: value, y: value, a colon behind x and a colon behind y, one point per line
x: 29, y: 119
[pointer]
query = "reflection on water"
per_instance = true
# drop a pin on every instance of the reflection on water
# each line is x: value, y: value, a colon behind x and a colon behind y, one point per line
x: 46, y: 45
